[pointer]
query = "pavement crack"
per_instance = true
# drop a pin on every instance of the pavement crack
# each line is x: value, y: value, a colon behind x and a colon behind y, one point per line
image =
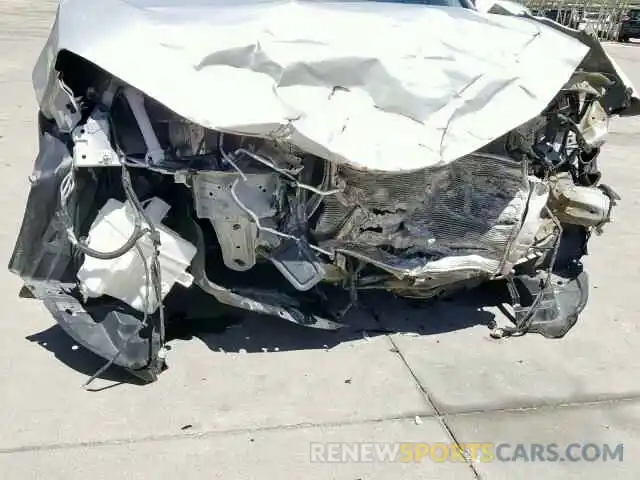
x: 438, y: 414
x: 204, y: 434
x: 603, y: 400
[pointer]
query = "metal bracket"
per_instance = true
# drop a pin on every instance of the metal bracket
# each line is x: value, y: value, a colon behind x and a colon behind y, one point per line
x: 60, y: 104
x: 237, y: 233
x: 91, y: 144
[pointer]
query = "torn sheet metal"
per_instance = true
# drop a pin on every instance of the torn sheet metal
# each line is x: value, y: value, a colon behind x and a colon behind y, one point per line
x: 446, y: 85
x: 623, y: 98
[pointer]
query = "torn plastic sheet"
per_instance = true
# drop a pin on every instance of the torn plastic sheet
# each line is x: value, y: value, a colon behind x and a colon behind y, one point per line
x: 446, y: 85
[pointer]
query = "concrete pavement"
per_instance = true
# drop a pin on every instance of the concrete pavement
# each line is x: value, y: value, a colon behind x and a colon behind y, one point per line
x: 228, y: 409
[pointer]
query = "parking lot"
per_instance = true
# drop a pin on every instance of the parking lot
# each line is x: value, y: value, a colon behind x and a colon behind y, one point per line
x: 254, y: 401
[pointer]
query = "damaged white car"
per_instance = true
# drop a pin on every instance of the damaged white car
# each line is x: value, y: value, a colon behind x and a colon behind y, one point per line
x: 281, y: 157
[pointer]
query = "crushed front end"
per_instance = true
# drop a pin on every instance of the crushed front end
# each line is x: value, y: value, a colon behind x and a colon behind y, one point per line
x: 139, y: 215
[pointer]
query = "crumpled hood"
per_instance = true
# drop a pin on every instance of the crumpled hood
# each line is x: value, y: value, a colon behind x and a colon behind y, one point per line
x: 383, y: 86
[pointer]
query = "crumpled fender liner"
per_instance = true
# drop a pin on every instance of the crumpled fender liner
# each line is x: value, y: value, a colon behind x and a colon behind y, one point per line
x: 551, y: 308
x: 562, y: 302
x: 109, y: 328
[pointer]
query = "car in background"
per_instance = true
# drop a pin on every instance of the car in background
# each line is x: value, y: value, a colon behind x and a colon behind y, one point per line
x: 597, y: 23
x: 630, y: 25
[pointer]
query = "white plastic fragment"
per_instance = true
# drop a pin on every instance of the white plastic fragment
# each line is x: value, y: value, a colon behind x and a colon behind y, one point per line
x: 125, y: 278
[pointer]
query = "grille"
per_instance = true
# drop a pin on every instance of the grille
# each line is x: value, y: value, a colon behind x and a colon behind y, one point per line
x: 466, y: 212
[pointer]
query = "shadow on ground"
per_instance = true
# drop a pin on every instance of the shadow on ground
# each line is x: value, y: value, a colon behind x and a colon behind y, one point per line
x: 378, y: 314
x: 65, y: 349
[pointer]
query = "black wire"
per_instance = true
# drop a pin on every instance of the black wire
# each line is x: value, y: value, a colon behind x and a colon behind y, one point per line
x: 156, y: 275
x: 143, y: 324
x: 524, y: 325
x: 129, y: 244
x: 65, y: 217
x: 153, y: 273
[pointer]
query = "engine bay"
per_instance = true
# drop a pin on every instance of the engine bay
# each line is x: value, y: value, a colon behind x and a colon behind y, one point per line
x: 138, y: 216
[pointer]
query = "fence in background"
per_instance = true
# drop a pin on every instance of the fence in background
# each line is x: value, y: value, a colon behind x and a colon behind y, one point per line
x: 603, y: 17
